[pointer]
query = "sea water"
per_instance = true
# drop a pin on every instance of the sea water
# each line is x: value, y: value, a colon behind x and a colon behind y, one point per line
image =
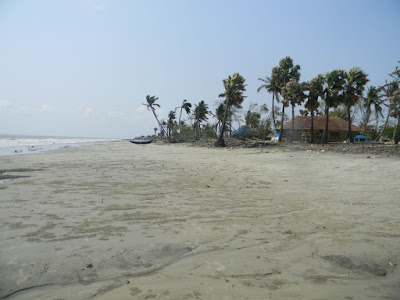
x: 20, y: 144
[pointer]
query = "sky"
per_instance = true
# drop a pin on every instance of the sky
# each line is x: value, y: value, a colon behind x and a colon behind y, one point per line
x: 83, y: 68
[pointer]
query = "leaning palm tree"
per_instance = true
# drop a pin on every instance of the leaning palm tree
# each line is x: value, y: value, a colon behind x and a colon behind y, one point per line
x: 315, y: 90
x: 234, y: 88
x: 373, y: 98
x: 285, y: 72
x: 293, y: 92
x: 186, y: 106
x: 388, y: 92
x: 271, y: 85
x: 150, y: 105
x: 355, y: 81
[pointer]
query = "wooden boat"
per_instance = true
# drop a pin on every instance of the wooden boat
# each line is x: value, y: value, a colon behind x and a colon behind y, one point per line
x: 141, y: 141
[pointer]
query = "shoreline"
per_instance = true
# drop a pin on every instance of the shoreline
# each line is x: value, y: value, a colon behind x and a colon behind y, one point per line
x: 168, y: 221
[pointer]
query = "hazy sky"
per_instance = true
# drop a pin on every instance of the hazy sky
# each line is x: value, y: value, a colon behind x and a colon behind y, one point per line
x: 84, y: 67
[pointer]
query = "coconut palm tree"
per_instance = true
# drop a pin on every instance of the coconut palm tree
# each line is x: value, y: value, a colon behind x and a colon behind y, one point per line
x: 388, y: 92
x: 285, y: 72
x: 315, y: 89
x: 186, y: 106
x: 354, y: 85
x: 200, y: 114
x: 271, y: 85
x: 234, y: 88
x: 373, y: 98
x: 171, y: 123
x: 394, y: 108
x: 294, y: 94
x: 332, y: 95
x: 219, y: 114
x: 150, y: 105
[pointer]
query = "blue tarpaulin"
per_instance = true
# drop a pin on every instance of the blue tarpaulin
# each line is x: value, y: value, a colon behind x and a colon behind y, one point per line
x: 362, y: 137
x: 241, y: 131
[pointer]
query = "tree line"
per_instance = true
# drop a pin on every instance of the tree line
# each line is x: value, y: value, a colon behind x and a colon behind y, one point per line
x: 339, y: 92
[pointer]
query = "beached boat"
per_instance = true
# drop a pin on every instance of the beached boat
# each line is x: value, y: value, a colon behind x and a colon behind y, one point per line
x: 141, y: 141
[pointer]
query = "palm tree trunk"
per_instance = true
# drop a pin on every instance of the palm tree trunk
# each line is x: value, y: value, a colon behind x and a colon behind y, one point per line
x: 273, y: 109
x: 326, y: 124
x: 282, y: 118
x: 384, y: 127
x: 312, y: 128
x: 397, y: 137
x: 180, y: 125
x: 221, y: 142
x: 367, y: 117
x: 159, y: 124
x: 349, y: 117
x: 292, y: 129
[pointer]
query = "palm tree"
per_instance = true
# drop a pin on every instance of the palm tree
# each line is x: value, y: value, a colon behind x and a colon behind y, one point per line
x: 389, y: 91
x: 315, y: 90
x: 332, y: 95
x: 200, y: 114
x: 394, y: 108
x: 373, y: 98
x: 171, y: 122
x: 355, y: 81
x: 293, y: 93
x: 271, y: 85
x: 219, y: 114
x: 234, y: 88
x: 151, y: 104
x: 186, y: 106
x: 285, y: 72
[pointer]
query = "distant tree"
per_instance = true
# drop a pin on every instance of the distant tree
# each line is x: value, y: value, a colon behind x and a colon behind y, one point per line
x: 389, y: 91
x: 294, y: 94
x: 150, y: 105
x: 394, y: 108
x: 271, y: 84
x: 332, y: 95
x: 171, y: 123
x: 186, y: 106
x: 234, y: 87
x: 315, y: 89
x: 200, y: 115
x: 155, y: 131
x: 354, y: 85
x: 219, y: 115
x: 373, y: 98
x: 252, y: 117
x: 285, y: 72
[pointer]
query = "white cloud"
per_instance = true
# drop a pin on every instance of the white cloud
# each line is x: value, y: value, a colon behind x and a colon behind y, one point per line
x: 45, y: 108
x: 85, y: 111
x: 5, y: 104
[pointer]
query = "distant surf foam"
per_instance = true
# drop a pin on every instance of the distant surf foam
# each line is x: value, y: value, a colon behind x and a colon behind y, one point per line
x: 19, y: 144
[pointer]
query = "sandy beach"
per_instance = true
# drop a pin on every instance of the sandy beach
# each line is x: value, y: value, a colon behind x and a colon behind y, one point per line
x: 124, y: 221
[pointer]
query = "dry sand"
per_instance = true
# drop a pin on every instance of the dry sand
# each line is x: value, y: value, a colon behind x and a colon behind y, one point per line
x: 124, y: 221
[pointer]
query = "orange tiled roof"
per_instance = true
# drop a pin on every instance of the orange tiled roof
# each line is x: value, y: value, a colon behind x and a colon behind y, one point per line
x: 335, y: 124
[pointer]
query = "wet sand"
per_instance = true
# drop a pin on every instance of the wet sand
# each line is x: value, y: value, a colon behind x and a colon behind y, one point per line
x: 124, y: 221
